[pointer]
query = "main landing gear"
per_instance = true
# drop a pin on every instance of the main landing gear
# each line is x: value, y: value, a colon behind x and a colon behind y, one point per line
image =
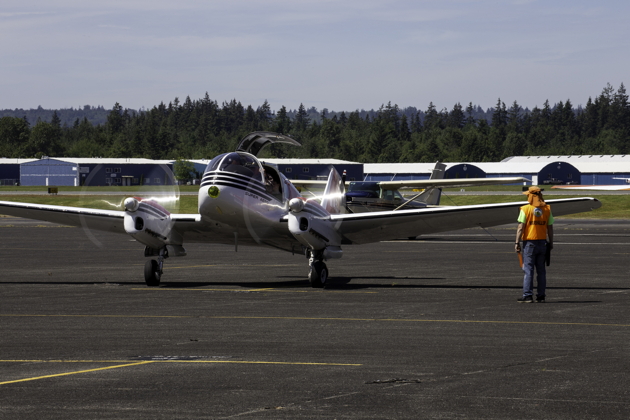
x: 317, y: 272
x: 153, y: 268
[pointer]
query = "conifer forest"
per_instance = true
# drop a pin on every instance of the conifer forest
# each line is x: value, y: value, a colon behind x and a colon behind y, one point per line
x: 197, y: 129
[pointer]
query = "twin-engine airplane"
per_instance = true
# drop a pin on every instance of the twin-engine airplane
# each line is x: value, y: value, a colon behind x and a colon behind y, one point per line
x: 243, y: 201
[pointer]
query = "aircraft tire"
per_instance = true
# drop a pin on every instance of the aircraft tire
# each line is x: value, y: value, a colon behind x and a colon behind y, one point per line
x: 318, y: 274
x: 151, y: 273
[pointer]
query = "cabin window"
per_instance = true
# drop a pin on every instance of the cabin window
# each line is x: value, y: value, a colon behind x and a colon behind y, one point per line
x: 242, y: 164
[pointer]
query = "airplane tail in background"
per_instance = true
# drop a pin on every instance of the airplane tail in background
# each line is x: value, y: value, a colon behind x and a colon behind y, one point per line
x: 334, y: 199
x: 431, y: 196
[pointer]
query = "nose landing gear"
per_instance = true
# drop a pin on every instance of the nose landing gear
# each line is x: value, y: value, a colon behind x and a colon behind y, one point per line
x: 153, y: 268
x: 318, y: 272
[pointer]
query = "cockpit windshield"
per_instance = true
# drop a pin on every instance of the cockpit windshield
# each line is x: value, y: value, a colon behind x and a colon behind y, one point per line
x: 237, y: 163
x: 363, y: 189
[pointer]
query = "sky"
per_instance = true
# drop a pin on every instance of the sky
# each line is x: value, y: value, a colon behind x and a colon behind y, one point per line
x: 342, y: 55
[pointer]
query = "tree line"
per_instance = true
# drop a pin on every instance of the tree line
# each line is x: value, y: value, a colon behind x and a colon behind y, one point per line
x: 197, y: 129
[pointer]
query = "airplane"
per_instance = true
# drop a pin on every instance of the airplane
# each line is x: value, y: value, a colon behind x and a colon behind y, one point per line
x: 367, y: 196
x: 620, y: 187
x: 242, y: 201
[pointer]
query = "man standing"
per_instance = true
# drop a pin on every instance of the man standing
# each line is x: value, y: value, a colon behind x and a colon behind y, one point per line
x: 535, y: 228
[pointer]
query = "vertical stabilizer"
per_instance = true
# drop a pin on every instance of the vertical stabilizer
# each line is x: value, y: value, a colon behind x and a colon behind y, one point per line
x: 431, y: 196
x: 334, y: 199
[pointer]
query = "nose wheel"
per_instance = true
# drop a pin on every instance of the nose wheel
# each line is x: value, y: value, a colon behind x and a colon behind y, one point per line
x: 153, y: 269
x: 318, y: 272
x: 152, y: 273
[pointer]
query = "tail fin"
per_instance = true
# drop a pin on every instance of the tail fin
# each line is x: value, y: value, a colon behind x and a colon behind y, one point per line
x: 334, y: 200
x: 431, y: 196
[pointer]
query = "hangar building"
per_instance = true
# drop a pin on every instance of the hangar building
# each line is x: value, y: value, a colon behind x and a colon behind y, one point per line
x: 305, y: 168
x: 96, y: 172
x: 584, y: 170
x: 10, y: 170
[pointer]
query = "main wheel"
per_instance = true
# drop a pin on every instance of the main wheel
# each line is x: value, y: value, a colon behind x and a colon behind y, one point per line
x: 152, y: 273
x: 318, y: 274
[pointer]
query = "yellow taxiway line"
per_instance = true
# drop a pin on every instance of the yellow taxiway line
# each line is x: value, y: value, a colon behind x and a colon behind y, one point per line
x: 67, y: 373
x: 145, y: 362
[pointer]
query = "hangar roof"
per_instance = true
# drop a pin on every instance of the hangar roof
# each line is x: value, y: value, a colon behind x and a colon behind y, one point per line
x: 294, y: 161
x: 584, y: 163
x: 515, y: 165
x: 309, y: 161
x: 13, y: 161
x: 107, y: 161
x: 427, y: 168
x: 400, y: 168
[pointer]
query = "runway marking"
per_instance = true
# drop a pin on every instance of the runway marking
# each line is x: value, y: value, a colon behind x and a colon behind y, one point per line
x: 299, y: 318
x: 133, y: 363
x: 145, y: 362
x: 68, y: 373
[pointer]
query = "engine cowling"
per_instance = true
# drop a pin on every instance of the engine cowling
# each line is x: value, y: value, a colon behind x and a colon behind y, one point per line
x: 151, y: 224
x: 314, y: 232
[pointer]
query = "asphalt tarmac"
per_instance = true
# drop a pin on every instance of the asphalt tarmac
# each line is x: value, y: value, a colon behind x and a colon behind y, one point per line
x: 428, y: 329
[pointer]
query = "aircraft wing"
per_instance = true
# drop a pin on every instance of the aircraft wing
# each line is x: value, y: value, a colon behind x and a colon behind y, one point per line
x: 106, y: 220
x: 593, y: 187
x: 449, y: 183
x: 361, y: 228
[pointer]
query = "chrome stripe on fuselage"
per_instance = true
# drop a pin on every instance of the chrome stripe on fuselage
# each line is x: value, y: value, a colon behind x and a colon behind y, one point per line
x: 229, y: 179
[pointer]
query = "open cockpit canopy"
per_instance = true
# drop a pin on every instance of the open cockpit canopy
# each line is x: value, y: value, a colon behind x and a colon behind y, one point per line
x: 237, y: 163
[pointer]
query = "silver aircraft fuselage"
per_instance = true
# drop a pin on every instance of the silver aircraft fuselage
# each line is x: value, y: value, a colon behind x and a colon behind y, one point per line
x: 247, y: 203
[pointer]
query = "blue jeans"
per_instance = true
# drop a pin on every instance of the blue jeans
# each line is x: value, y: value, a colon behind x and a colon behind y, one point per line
x: 534, y: 258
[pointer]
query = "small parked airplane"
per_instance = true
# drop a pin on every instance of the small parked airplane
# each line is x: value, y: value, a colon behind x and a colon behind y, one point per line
x: 242, y: 201
x: 618, y: 187
x: 367, y: 196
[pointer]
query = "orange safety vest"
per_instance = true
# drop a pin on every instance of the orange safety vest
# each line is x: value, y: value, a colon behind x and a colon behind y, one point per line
x: 536, y: 221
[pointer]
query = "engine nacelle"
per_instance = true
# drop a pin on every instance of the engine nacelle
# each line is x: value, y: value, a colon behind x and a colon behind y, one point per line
x: 150, y: 224
x: 315, y: 233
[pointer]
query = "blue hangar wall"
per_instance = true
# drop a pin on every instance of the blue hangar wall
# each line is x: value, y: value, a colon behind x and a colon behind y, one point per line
x: 125, y: 174
x: 464, y: 170
x: 354, y: 171
x: 559, y: 173
x: 49, y: 172
x: 9, y: 173
x: 57, y: 172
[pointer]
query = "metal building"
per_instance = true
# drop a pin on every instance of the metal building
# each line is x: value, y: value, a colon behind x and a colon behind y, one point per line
x: 305, y: 168
x: 592, y: 169
x: 542, y: 170
x: 10, y: 170
x: 317, y: 168
x: 96, y: 172
x: 48, y: 172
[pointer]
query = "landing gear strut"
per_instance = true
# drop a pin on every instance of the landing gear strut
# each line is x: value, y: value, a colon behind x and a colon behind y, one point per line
x: 317, y: 272
x: 153, y: 268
